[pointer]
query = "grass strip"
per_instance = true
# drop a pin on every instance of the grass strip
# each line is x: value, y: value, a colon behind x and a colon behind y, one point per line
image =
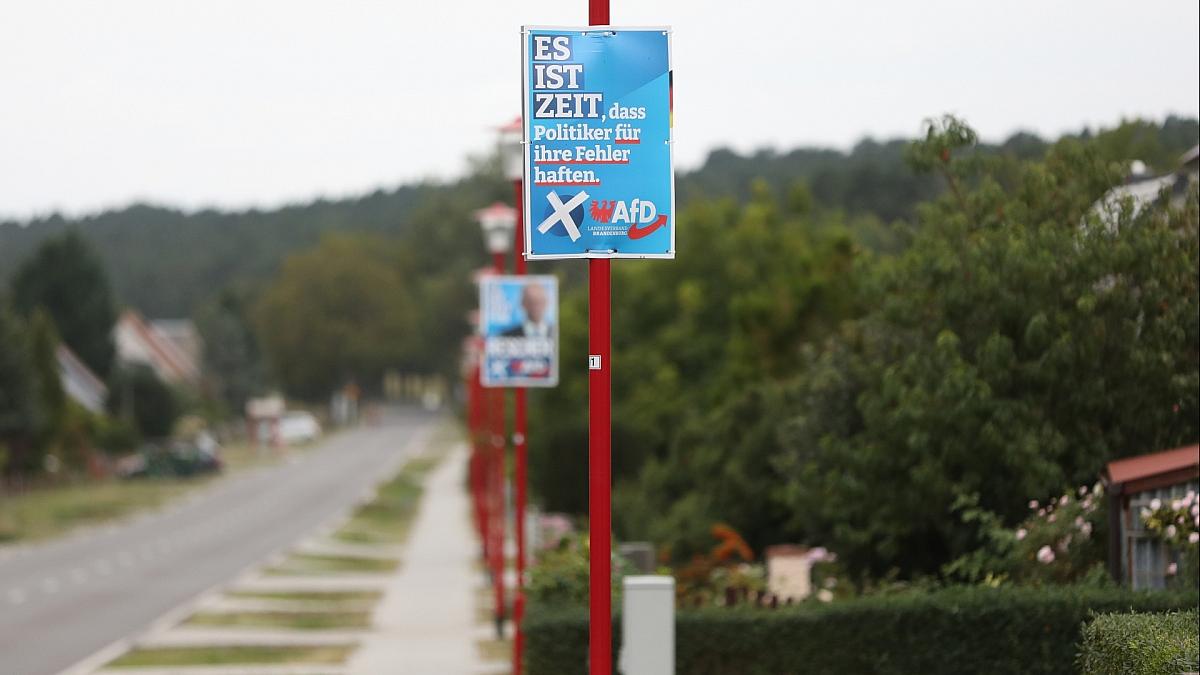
x: 304, y: 620
x: 304, y: 563
x: 45, y: 512
x: 211, y: 656
x: 495, y: 650
x: 387, y: 518
x: 331, y: 597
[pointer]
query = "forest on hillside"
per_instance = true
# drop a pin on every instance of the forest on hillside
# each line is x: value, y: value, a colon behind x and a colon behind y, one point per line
x: 167, y: 263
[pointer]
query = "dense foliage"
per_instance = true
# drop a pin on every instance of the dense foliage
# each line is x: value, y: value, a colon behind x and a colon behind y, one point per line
x: 1145, y: 644
x: 337, y: 313
x: 20, y: 413
x: 66, y: 279
x: 1020, y: 342
x: 146, y: 402
x: 1060, y: 541
x: 957, y: 630
x: 786, y: 378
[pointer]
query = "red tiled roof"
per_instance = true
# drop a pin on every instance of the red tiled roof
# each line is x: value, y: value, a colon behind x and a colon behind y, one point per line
x: 1154, y: 464
x: 172, y: 362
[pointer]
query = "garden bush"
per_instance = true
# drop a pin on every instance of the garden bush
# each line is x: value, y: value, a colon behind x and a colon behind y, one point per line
x: 956, y: 630
x: 1145, y: 644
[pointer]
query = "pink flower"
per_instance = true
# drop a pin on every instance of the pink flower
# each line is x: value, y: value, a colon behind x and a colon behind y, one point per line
x: 1021, y: 534
x: 1051, y: 518
x: 1155, y: 504
x: 1172, y: 569
x: 1171, y: 531
x: 1063, y: 501
x: 1042, y: 512
x: 1194, y: 537
x: 1196, y: 509
x: 1086, y: 529
x: 1079, y: 521
x: 1045, y: 555
x: 1082, y: 490
x: 1033, y: 504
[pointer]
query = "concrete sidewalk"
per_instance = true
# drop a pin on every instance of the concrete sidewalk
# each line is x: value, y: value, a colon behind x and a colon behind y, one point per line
x: 426, y: 622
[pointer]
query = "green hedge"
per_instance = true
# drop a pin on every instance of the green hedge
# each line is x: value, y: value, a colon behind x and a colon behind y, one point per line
x: 1147, y: 644
x: 952, y: 631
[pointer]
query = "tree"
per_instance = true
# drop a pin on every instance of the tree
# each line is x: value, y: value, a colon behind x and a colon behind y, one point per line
x: 20, y: 411
x: 692, y: 338
x: 231, y: 352
x: 1020, y: 343
x: 340, y: 312
x: 48, y: 388
x: 66, y: 279
x: 141, y: 399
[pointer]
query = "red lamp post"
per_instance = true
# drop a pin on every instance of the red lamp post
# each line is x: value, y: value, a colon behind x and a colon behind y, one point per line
x: 476, y: 468
x: 512, y: 158
x: 498, y: 222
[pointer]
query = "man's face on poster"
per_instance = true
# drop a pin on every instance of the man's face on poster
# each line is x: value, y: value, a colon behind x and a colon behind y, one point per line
x: 534, y: 301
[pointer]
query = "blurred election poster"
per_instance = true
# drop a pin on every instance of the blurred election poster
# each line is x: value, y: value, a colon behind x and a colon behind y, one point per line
x: 520, y: 331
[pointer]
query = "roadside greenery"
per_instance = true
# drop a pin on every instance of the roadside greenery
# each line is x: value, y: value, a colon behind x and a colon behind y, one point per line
x: 1018, y: 631
x: 304, y: 563
x: 387, y: 517
x: 214, y: 656
x: 47, y: 511
x: 289, y: 620
x: 797, y: 379
x: 1059, y: 541
x: 1145, y: 644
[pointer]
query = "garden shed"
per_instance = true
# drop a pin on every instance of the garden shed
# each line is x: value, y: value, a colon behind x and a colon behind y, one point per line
x: 1138, y: 556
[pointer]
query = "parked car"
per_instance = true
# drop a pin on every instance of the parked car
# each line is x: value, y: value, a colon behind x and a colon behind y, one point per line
x: 171, y: 459
x: 298, y: 426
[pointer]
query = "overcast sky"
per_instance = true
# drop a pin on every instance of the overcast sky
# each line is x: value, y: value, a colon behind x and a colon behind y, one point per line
x: 239, y: 103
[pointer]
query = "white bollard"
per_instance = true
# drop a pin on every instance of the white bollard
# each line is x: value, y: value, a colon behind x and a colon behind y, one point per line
x: 648, y: 626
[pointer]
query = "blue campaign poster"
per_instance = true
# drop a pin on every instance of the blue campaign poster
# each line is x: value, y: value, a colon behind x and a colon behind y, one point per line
x: 519, y: 324
x: 599, y: 179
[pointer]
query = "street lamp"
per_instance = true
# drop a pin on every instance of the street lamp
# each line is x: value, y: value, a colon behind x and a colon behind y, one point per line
x: 498, y: 222
x: 511, y: 149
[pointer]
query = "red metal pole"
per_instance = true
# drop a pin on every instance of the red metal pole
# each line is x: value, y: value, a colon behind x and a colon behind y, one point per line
x: 484, y: 462
x: 519, y: 448
x: 498, y: 524
x: 600, y: 465
x: 600, y: 443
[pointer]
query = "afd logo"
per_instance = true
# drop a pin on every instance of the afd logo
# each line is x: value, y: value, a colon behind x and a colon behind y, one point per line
x: 641, y: 214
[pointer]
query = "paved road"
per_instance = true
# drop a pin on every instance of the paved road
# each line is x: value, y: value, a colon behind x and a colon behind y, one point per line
x: 62, y: 601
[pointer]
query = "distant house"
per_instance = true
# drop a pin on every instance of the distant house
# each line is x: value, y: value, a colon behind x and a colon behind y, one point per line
x: 1134, y: 556
x: 1143, y: 189
x: 80, y: 383
x: 182, y: 333
x: 169, y: 348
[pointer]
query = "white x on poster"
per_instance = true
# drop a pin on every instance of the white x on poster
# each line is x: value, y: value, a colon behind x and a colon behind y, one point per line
x: 562, y: 212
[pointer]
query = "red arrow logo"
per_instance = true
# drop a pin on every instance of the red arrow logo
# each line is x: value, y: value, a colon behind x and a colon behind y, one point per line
x: 636, y: 232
